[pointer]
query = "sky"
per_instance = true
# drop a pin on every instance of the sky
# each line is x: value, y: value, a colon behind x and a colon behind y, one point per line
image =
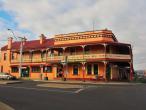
x: 30, y: 18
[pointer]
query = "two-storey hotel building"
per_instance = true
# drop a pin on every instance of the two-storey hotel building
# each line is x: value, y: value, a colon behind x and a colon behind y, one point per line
x: 90, y: 55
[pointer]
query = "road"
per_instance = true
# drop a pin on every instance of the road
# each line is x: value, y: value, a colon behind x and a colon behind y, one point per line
x: 26, y: 96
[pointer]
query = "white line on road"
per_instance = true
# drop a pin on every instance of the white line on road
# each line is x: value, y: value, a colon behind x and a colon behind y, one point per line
x: 79, y: 90
x: 86, y: 88
x: 39, y: 89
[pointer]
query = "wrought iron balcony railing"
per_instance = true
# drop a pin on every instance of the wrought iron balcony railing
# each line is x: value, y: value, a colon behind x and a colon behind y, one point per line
x: 76, y: 58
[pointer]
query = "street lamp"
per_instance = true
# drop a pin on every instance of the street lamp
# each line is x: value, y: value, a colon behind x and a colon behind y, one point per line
x: 12, y: 33
x: 21, y: 49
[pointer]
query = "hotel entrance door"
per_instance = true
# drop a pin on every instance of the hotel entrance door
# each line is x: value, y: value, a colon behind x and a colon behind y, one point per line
x: 59, y: 71
x: 25, y: 72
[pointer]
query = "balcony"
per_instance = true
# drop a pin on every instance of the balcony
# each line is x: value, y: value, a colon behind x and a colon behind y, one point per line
x: 56, y: 59
x: 74, y: 58
x: 118, y: 56
x: 28, y: 60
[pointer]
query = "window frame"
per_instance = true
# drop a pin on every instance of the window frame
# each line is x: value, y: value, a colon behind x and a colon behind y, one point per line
x: 49, y: 69
x: 94, y: 69
x: 12, y: 56
x: 90, y: 68
x: 74, y: 72
x: 35, y: 69
x: 14, y: 69
x: 5, y: 56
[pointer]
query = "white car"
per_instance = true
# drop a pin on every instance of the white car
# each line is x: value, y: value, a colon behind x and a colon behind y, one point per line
x: 6, y: 76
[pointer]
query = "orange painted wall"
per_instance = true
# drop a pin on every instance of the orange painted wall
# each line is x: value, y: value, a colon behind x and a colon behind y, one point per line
x: 5, y: 63
x: 80, y: 73
x: 36, y: 55
x: 92, y: 49
x: 98, y: 39
x: 15, y: 74
x: 26, y: 55
x: 35, y: 75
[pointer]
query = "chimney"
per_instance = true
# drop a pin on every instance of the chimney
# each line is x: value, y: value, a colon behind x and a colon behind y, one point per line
x: 10, y: 40
x: 42, y: 38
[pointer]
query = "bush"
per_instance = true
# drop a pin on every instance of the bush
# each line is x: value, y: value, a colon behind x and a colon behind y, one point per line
x: 139, y: 79
x: 143, y: 80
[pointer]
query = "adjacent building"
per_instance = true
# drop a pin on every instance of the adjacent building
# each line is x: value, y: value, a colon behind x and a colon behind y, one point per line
x: 90, y: 55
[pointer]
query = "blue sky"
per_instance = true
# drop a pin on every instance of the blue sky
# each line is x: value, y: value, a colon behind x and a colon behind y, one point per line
x: 5, y: 15
x: 30, y: 18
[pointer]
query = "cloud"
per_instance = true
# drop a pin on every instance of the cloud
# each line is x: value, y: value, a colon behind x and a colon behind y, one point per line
x: 126, y: 18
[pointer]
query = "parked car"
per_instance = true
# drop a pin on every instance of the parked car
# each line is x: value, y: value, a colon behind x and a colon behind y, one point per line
x: 6, y: 76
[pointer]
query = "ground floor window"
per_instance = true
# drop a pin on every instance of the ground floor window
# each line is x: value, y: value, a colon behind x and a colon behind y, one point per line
x: 95, y: 67
x: 1, y: 68
x: 89, y: 69
x: 35, y: 69
x: 47, y: 69
x: 75, y: 69
x: 14, y: 69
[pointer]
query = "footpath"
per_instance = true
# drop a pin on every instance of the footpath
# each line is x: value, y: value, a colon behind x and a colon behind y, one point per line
x: 4, y: 106
x: 70, y: 83
x: 9, y: 81
x: 78, y: 84
x: 88, y: 82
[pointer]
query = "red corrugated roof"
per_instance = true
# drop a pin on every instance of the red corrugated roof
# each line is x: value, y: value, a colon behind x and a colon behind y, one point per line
x: 35, y: 44
x: 31, y: 45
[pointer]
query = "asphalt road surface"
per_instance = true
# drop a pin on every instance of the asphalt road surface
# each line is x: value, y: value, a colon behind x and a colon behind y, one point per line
x: 27, y: 96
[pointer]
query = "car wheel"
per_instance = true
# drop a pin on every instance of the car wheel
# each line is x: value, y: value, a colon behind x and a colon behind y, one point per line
x: 8, y: 78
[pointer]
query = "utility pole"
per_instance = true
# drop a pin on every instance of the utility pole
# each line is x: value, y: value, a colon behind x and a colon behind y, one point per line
x: 21, y: 50
x: 20, y: 62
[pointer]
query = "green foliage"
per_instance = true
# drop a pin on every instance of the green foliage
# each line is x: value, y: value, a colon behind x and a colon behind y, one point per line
x: 139, y: 79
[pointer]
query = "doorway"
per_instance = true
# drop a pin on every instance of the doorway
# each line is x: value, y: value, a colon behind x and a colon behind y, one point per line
x: 124, y: 73
x: 25, y: 72
x: 59, y: 71
x: 108, y: 72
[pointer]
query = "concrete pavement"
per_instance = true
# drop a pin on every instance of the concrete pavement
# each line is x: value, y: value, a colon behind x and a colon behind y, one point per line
x: 4, y: 106
x: 75, y: 82
x: 10, y: 81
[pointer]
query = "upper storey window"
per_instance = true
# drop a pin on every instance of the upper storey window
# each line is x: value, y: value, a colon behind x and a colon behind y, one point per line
x: 12, y: 56
x: 60, y: 52
x: 87, y: 49
x: 72, y: 51
x: 5, y: 56
x: 43, y: 54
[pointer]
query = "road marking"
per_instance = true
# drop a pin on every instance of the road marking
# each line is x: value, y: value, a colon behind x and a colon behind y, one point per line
x: 79, y: 90
x: 62, y: 91
x: 86, y: 88
x: 39, y: 89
